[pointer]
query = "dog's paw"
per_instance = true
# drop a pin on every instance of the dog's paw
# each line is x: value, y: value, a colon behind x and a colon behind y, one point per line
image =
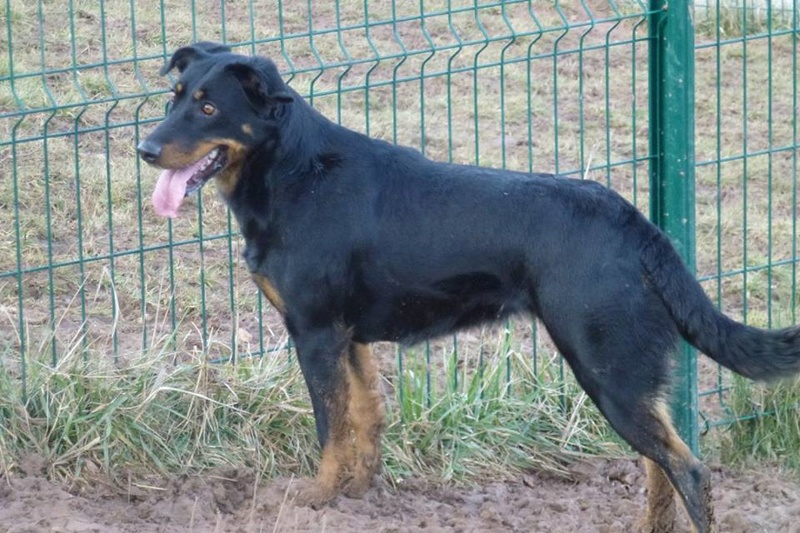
x: 313, y: 494
x: 356, y: 488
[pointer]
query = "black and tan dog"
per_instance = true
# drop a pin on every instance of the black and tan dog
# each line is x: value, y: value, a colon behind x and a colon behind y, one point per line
x: 355, y: 240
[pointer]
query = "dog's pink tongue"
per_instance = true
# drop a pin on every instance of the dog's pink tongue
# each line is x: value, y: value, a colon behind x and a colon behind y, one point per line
x: 171, y: 188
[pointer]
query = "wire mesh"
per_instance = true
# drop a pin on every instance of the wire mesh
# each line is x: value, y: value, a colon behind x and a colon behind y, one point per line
x: 747, y: 150
x: 86, y: 265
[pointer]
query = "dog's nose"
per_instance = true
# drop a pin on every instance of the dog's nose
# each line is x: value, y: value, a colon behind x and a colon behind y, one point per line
x: 149, y: 151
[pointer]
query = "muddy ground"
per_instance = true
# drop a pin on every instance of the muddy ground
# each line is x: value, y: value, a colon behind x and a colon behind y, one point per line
x: 600, y: 496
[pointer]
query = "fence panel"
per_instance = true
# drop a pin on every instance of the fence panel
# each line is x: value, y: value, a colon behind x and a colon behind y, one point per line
x: 747, y: 153
x: 86, y: 266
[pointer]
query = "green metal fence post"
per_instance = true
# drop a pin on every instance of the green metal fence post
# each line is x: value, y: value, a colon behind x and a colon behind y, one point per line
x: 672, y: 169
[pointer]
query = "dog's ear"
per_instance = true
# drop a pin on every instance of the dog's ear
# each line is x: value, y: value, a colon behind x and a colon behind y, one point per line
x: 261, y: 83
x: 185, y: 55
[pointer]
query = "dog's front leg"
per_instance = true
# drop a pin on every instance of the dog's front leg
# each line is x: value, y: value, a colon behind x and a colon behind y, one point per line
x: 366, y: 418
x: 322, y: 353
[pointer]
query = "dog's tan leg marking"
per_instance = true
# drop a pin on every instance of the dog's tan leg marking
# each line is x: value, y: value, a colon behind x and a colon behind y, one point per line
x: 660, y: 517
x: 366, y: 417
x: 269, y: 290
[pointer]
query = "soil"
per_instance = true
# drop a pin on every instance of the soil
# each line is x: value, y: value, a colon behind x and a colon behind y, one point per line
x: 602, y: 495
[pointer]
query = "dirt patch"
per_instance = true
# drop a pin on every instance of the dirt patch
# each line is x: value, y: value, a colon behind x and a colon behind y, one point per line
x: 599, y: 496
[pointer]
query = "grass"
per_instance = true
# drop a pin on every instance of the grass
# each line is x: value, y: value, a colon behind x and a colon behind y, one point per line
x: 773, y: 437
x: 113, y: 299
x: 90, y: 419
x: 470, y: 421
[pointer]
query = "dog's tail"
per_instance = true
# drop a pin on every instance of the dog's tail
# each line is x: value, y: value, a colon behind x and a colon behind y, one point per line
x: 751, y: 352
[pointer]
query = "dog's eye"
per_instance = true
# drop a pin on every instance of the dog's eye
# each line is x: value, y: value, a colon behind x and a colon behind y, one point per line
x: 208, y: 109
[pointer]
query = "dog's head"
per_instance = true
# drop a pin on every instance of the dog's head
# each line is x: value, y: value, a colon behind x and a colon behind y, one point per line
x: 223, y: 105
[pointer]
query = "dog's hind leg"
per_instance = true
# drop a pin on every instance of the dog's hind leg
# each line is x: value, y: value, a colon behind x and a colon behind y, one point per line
x: 617, y: 336
x: 322, y: 354
x: 366, y: 417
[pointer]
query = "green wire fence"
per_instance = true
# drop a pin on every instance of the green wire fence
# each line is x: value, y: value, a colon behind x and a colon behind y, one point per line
x: 601, y: 90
